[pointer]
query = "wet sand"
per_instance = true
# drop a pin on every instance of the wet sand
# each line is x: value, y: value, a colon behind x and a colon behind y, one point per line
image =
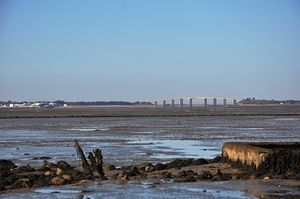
x: 126, y: 140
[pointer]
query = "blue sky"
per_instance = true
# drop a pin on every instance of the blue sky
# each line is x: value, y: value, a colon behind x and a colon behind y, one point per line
x: 146, y: 50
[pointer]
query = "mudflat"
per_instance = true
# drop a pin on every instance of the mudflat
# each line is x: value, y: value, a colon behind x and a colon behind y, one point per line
x: 149, y: 111
x: 128, y: 141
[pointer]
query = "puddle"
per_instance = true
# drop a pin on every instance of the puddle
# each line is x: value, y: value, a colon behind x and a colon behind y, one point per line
x: 88, y: 129
x: 169, y: 149
x: 218, y: 193
x: 52, y: 190
x: 144, y: 132
x: 147, y: 184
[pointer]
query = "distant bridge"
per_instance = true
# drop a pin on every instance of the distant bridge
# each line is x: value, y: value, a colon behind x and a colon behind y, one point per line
x: 195, y: 101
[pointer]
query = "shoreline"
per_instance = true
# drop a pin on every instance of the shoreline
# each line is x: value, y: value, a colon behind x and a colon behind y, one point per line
x: 150, y: 111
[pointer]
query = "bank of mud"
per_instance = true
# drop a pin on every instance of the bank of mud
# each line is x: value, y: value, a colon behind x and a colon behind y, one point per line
x: 186, y: 170
x: 150, y: 111
x: 141, y: 140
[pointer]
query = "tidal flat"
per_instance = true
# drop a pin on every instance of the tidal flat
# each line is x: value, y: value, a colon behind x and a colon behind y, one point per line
x: 133, y: 140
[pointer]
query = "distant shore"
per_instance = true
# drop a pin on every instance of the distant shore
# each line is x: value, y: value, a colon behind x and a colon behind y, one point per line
x: 149, y: 111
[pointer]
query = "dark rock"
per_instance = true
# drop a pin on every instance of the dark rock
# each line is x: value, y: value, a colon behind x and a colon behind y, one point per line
x: 6, y: 165
x: 178, y: 163
x: 58, y: 180
x: 219, y: 172
x: 43, y: 181
x: 75, y: 174
x: 133, y: 171
x: 201, y: 161
x: 147, y: 167
x: 206, y: 175
x: 8, y: 177
x: 187, y: 173
x: 159, y: 166
x: 22, y: 183
x: 216, y: 159
x: 63, y: 165
x: 23, y: 169
x: 167, y: 174
x: 111, y: 167
x: 2, y: 185
x: 27, y: 154
x: 186, y: 179
x: 42, y: 158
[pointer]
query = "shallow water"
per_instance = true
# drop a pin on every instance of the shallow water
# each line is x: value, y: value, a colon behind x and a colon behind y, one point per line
x: 126, y: 141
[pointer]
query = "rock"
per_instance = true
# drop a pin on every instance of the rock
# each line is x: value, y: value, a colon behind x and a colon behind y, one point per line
x: 63, y: 165
x: 186, y: 179
x: 75, y: 174
x: 143, y: 166
x: 2, y: 185
x: 149, y: 168
x: 58, y: 181
x: 167, y: 174
x: 42, y: 158
x: 22, y: 183
x: 27, y: 154
x: 219, y: 171
x: 48, y: 173
x: 6, y: 165
x: 123, y: 175
x: 206, y: 175
x: 67, y: 177
x: 59, y: 171
x: 159, y: 166
x: 111, y: 167
x: 48, y: 165
x: 24, y: 169
x: 234, y: 177
x: 201, y: 161
x: 133, y: 171
x: 252, y: 177
x: 266, y: 178
x: 8, y: 177
x: 178, y: 163
x: 187, y: 173
x: 43, y: 181
x: 216, y: 159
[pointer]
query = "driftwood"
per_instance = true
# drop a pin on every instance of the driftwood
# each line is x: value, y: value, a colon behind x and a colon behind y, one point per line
x: 85, y: 164
x: 96, y: 161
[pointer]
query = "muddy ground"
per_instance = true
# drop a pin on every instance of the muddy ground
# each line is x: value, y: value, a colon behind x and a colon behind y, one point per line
x: 151, y: 111
x: 129, y: 141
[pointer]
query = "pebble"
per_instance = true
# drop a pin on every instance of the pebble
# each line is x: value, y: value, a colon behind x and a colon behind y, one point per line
x: 47, y: 173
x: 67, y: 177
x: 59, y: 171
x: 58, y: 180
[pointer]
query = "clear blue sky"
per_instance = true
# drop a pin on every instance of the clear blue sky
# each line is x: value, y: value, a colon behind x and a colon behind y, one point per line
x: 144, y: 50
